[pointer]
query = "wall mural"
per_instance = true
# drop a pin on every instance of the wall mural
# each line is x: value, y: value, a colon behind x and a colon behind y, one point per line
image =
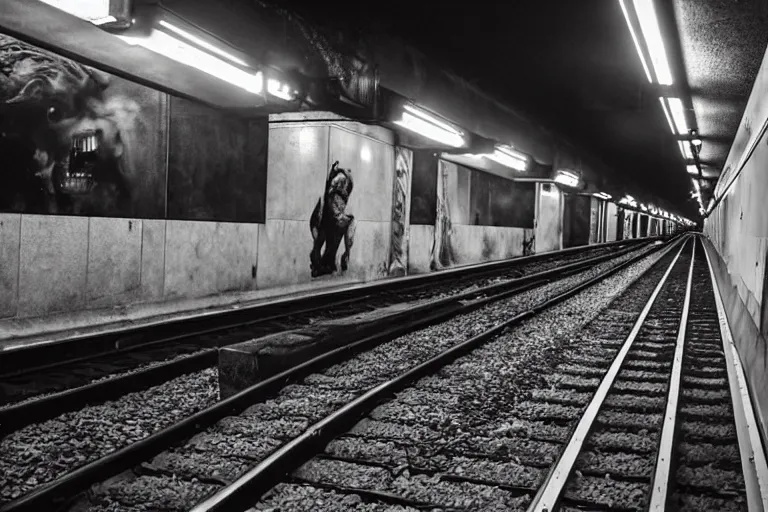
x: 77, y: 141
x: 330, y: 222
x: 629, y: 218
x: 71, y: 136
x: 398, y: 253
x: 442, y: 255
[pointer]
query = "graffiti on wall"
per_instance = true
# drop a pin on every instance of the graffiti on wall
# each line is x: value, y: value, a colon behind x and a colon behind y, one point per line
x: 442, y: 254
x: 398, y: 253
x: 65, y: 135
x: 629, y: 218
x: 330, y: 223
x: 78, y: 141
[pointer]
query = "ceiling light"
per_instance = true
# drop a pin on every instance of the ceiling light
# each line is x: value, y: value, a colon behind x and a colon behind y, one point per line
x: 649, y: 24
x: 692, y: 169
x: 88, y: 10
x: 567, y: 178
x: 678, y: 115
x: 280, y: 90
x: 685, y: 149
x: 506, y: 155
x: 203, y: 44
x: 429, y: 126
x: 665, y: 108
x: 602, y: 195
x: 696, y: 142
x: 165, y: 44
x: 634, y: 39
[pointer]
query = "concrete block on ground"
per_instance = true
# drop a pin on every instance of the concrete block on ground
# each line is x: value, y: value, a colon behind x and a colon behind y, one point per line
x: 244, y: 364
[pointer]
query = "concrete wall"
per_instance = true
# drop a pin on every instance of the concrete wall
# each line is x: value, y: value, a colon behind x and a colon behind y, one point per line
x: 53, y: 264
x: 300, y: 156
x: 549, y: 218
x: 738, y: 230
x: 611, y: 222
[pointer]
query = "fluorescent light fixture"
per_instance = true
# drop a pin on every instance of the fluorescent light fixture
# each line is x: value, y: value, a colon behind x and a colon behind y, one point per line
x: 692, y: 169
x: 88, y: 10
x: 203, y: 44
x: 165, y: 44
x: 429, y: 126
x: 104, y: 20
x: 685, y: 149
x: 678, y: 115
x: 506, y: 155
x: 602, y: 195
x: 666, y: 114
x: 567, y: 178
x: 280, y: 90
x: 649, y: 24
x: 634, y: 39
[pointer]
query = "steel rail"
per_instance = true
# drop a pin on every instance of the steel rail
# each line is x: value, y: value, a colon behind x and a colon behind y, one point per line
x: 242, y: 493
x: 126, y: 339
x: 18, y: 415
x: 663, y: 468
x: 550, y: 493
x: 753, y: 457
x: 61, y: 489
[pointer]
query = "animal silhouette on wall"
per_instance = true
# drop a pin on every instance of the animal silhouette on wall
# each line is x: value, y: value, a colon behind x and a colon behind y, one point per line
x: 60, y: 136
x: 330, y: 222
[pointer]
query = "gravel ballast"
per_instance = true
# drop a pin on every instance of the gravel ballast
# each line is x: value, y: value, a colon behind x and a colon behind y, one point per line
x: 366, y: 370
x: 471, y: 421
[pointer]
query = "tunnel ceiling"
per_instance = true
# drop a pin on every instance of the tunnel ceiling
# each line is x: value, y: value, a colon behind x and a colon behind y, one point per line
x: 572, y: 65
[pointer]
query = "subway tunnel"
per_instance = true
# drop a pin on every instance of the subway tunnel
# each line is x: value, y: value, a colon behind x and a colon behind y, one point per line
x: 286, y: 255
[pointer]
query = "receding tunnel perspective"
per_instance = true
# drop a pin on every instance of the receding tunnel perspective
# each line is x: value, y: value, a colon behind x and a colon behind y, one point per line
x: 293, y: 256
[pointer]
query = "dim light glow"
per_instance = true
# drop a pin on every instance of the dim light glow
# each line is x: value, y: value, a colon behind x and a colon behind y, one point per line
x: 365, y: 154
x: 678, y: 115
x: 165, y: 44
x: 567, y: 178
x: 88, y: 10
x: 685, y: 150
x: 279, y: 90
x: 692, y: 169
x: 429, y: 126
x: 104, y: 20
x: 666, y: 114
x: 649, y: 24
x: 507, y: 156
x: 635, y: 40
x: 199, y: 42
x: 602, y: 195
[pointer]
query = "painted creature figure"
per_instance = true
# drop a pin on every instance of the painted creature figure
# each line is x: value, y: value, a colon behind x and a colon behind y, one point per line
x: 330, y: 223
x: 48, y: 105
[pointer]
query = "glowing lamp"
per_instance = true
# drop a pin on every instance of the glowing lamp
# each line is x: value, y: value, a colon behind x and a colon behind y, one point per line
x: 98, y: 12
x: 649, y: 24
x: 678, y: 115
x: 163, y: 43
x: 429, y: 126
x: 507, y: 156
x: 567, y: 178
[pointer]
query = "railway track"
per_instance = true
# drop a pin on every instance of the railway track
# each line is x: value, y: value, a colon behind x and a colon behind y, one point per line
x: 177, y: 347
x: 98, y: 383
x: 640, y: 410
x: 246, y: 441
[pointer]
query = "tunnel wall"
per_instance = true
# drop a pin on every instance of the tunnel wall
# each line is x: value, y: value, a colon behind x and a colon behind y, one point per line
x: 738, y: 231
x: 549, y: 218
